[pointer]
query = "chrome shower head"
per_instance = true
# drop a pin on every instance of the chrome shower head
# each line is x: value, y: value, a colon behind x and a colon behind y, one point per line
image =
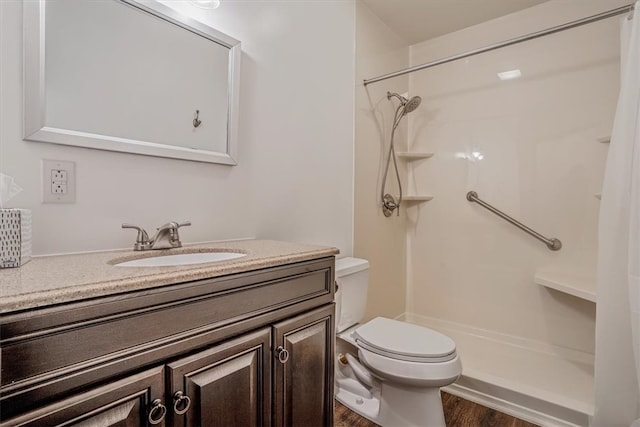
x: 408, y: 105
x: 412, y: 104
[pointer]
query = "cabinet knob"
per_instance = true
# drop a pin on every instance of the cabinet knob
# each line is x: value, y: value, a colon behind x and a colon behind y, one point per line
x: 157, y: 412
x: 181, y: 403
x: 282, y: 354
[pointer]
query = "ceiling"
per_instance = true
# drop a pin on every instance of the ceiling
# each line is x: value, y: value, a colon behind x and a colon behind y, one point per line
x: 419, y: 20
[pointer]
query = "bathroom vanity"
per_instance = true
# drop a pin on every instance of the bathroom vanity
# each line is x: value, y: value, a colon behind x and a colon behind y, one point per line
x: 244, y: 342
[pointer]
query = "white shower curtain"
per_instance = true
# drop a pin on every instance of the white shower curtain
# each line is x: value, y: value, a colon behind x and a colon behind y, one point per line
x: 617, y: 363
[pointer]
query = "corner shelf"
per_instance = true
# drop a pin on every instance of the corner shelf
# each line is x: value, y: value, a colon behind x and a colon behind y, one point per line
x: 598, y: 196
x: 416, y: 199
x: 409, y: 156
x: 580, y: 287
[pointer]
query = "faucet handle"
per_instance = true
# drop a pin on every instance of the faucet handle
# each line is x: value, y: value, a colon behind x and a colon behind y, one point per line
x: 173, y: 225
x: 172, y: 228
x: 142, y: 238
x: 175, y: 237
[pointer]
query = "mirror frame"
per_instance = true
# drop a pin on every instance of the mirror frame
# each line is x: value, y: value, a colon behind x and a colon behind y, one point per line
x: 34, y: 90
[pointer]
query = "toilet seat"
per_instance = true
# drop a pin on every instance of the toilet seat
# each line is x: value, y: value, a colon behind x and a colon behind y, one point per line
x: 404, y: 341
x: 414, y: 374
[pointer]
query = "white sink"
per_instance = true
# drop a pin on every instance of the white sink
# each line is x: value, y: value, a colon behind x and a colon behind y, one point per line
x: 181, y: 259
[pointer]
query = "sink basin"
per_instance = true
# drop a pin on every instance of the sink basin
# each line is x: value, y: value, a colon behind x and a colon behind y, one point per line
x: 181, y: 259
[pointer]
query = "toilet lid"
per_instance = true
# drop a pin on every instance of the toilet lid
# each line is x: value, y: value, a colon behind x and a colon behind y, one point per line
x: 404, y: 341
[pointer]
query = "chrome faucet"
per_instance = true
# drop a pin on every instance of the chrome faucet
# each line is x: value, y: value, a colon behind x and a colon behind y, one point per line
x: 166, y: 237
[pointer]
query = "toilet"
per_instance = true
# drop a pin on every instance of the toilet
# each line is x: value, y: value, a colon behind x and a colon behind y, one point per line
x: 395, y: 378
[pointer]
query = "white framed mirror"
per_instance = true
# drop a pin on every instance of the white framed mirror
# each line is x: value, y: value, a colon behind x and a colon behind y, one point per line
x: 130, y: 75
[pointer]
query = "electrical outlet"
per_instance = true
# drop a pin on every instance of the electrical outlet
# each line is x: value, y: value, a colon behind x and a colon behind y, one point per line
x: 58, y: 181
x: 58, y: 175
x: 60, y: 188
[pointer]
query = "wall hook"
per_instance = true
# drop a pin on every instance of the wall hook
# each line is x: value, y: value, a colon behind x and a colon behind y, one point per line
x: 197, y: 121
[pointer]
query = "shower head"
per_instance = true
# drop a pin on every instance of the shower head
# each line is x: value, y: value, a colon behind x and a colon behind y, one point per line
x: 408, y: 105
x: 412, y: 104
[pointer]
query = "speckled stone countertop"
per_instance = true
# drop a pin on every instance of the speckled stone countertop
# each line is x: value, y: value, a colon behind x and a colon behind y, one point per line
x: 55, y: 279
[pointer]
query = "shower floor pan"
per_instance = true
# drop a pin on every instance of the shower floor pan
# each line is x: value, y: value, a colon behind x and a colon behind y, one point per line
x: 533, y: 381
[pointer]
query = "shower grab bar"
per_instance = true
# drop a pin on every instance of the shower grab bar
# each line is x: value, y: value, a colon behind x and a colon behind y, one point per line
x: 552, y: 243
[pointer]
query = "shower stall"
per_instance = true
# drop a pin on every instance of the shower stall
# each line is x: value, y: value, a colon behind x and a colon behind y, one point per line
x: 526, y: 126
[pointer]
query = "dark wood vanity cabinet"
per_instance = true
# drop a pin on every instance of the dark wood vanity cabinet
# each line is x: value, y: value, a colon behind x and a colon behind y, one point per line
x: 226, y: 385
x: 304, y: 382
x: 126, y: 402
x: 264, y: 355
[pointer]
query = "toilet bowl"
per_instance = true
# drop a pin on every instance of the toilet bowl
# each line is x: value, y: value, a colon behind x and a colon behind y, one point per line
x: 396, y: 377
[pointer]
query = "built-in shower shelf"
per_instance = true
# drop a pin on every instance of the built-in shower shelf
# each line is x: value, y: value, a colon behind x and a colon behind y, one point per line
x: 416, y: 199
x: 605, y: 139
x: 581, y: 287
x: 409, y: 155
x: 598, y: 196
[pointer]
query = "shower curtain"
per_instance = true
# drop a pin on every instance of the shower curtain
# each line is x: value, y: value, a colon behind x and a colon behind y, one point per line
x: 617, y: 361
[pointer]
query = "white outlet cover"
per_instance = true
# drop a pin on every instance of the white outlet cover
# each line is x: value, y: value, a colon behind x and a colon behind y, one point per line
x: 69, y: 168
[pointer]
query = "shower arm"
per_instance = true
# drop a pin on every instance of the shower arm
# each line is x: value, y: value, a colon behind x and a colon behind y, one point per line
x: 402, y: 99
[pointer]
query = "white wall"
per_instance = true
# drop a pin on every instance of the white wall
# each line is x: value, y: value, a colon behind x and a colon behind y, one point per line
x: 295, y: 172
x: 380, y: 240
x: 541, y: 164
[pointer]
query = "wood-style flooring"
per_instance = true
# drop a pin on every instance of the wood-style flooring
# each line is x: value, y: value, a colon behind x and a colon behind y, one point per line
x: 457, y: 413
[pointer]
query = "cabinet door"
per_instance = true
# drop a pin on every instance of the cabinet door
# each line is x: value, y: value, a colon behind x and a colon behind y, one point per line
x: 304, y: 379
x: 137, y: 400
x: 226, y: 385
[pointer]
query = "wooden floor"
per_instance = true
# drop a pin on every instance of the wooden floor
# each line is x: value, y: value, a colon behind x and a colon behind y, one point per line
x: 457, y: 413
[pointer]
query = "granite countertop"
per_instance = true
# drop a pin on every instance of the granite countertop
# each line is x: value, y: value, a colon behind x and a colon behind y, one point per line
x: 56, y: 279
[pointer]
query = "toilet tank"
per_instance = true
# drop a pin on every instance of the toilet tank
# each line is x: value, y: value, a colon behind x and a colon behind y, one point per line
x: 352, y: 277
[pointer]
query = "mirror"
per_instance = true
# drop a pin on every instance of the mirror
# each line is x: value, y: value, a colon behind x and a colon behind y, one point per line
x: 132, y: 76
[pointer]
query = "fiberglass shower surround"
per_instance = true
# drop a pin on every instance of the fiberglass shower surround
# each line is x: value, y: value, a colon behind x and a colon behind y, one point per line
x: 506, y: 193
x: 406, y: 106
